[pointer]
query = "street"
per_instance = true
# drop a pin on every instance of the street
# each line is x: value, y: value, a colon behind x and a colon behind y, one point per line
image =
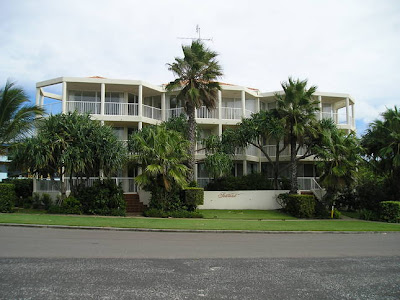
x: 40, y: 263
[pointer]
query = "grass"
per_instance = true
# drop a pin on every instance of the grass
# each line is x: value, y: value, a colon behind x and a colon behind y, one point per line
x: 245, y: 214
x: 202, y: 224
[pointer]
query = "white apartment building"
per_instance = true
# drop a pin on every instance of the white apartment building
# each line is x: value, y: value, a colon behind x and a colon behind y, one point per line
x: 129, y: 105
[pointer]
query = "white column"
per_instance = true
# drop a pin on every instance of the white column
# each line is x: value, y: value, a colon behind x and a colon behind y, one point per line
x: 347, y: 112
x: 258, y: 105
x: 219, y: 104
x: 37, y: 96
x: 41, y: 103
x: 102, y: 99
x: 163, y: 107
x: 243, y: 104
x: 353, y: 116
x: 140, y: 125
x: 140, y: 101
x: 320, y: 107
x: 64, y: 97
x: 244, y: 164
x: 219, y: 129
x: 195, y: 172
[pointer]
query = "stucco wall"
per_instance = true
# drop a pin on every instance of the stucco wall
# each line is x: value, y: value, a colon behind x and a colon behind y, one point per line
x: 241, y: 200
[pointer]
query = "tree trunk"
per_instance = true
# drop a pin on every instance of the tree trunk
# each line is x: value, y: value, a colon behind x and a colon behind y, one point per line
x: 276, y: 168
x: 192, y: 140
x: 63, y: 188
x: 293, y: 166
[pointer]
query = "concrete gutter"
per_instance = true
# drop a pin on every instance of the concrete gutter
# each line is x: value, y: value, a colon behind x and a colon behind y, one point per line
x: 191, y: 230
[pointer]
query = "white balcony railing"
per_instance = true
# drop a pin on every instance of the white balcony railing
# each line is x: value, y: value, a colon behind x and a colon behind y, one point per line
x: 271, y: 150
x: 252, y: 150
x: 202, y: 182
x: 230, y: 113
x: 248, y: 113
x: 151, y: 112
x: 84, y: 107
x: 204, y: 113
x: 46, y: 185
x: 121, y: 109
x: 308, y: 183
x: 53, y: 108
x: 338, y: 118
x: 174, y: 112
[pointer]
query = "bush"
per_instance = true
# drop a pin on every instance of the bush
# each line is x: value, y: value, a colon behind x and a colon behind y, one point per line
x: 193, y: 197
x: 390, y: 211
x: 300, y: 206
x: 255, y: 181
x: 368, y: 215
x: 70, y: 205
x: 158, y: 213
x: 103, y: 198
x: 337, y: 214
x: 7, y: 197
x: 36, y: 201
x: 321, y: 212
x: 23, y: 187
x: 46, y: 201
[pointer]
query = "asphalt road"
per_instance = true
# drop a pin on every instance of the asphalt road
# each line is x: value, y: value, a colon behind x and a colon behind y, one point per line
x: 82, y: 264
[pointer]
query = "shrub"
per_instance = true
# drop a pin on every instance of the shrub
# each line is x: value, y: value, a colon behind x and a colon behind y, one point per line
x: 300, y: 206
x: 337, y: 214
x: 23, y: 187
x: 193, y: 197
x: 158, y: 213
x: 368, y: 215
x: 321, y: 212
x: 7, y: 197
x: 255, y: 181
x: 103, y: 198
x: 71, y: 205
x: 36, y: 201
x: 46, y: 201
x: 390, y: 211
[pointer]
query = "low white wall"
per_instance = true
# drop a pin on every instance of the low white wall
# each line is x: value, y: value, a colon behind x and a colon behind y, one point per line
x: 262, y: 200
x: 144, y: 197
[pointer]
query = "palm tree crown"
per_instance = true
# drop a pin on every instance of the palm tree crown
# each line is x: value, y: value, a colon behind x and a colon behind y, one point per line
x: 16, y: 118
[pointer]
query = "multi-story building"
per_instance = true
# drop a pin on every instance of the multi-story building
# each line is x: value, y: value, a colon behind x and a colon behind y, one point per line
x: 128, y: 105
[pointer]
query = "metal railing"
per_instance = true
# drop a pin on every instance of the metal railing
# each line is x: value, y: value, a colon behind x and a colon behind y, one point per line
x: 308, y: 183
x: 47, y: 185
x: 53, y: 108
x: 252, y: 150
x: 202, y: 182
x: 121, y: 109
x: 174, y: 112
x: 151, y: 112
x: 231, y: 113
x: 204, y: 113
x: 84, y: 107
x: 248, y: 112
x: 271, y: 150
x: 338, y: 118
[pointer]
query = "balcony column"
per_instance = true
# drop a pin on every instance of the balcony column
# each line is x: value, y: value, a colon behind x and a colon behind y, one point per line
x: 243, y: 104
x: 258, y: 107
x: 244, y: 164
x: 140, y: 101
x: 163, y: 107
x: 320, y: 107
x: 37, y: 96
x: 347, y: 112
x: 195, y: 172
x: 353, y: 116
x: 102, y: 99
x: 219, y: 129
x: 219, y: 104
x: 140, y: 125
x: 64, y: 97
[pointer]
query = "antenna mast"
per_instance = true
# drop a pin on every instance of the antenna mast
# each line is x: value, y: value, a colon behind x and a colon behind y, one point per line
x: 196, y: 38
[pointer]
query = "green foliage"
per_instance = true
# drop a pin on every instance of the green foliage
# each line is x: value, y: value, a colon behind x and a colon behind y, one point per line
x: 16, y: 118
x: 300, y: 206
x: 368, y: 215
x: 71, y: 205
x: 158, y: 213
x: 103, y: 198
x: 321, y: 211
x: 256, y: 181
x: 7, y: 197
x: 23, y: 187
x: 337, y: 214
x: 46, y: 201
x: 390, y: 211
x: 36, y: 201
x: 193, y: 197
x: 218, y: 164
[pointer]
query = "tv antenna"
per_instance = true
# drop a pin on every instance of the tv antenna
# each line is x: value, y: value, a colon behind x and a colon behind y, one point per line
x: 195, y: 38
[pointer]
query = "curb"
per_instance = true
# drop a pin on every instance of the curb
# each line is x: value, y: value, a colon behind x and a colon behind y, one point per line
x: 189, y: 230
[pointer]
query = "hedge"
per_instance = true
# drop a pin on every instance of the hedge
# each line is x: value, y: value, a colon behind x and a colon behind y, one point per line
x: 193, y: 197
x: 7, y: 197
x: 390, y: 211
x: 300, y: 206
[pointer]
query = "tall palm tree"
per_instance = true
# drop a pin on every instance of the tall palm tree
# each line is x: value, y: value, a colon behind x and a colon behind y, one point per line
x: 196, y: 74
x: 161, y: 153
x: 16, y: 117
x: 297, y: 107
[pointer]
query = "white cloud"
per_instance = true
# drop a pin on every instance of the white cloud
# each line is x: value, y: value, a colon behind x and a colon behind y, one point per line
x: 341, y: 46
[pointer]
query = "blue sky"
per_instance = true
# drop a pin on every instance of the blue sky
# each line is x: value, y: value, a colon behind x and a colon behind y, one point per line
x: 340, y: 46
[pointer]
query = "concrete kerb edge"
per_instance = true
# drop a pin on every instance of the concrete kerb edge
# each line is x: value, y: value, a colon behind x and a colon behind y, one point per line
x: 189, y: 230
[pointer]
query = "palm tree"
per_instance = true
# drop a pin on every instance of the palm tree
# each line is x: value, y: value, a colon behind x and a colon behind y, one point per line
x: 161, y: 153
x: 196, y: 74
x: 16, y: 118
x: 297, y: 107
x: 338, y: 154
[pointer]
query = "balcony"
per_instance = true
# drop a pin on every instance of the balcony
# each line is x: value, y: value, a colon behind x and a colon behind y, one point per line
x: 271, y: 150
x: 121, y: 109
x: 231, y: 113
x: 84, y: 107
x: 338, y: 118
x: 174, y: 112
x: 151, y: 112
x: 204, y: 113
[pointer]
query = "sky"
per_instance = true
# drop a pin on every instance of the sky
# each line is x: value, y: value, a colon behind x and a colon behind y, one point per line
x: 340, y: 46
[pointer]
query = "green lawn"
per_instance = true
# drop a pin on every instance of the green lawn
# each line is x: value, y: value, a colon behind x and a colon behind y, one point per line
x: 245, y: 214
x: 206, y: 224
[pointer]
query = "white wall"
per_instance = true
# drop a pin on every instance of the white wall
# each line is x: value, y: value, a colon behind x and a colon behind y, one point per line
x: 262, y: 200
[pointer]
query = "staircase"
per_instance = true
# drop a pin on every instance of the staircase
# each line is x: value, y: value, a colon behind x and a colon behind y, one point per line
x: 133, y: 204
x: 317, y: 190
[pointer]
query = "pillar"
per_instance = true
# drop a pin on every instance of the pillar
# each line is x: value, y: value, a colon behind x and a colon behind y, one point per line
x: 37, y: 96
x: 258, y: 107
x: 163, y: 107
x: 64, y: 97
x: 353, y: 116
x: 140, y: 101
x: 320, y: 107
x: 219, y: 104
x: 244, y: 164
x: 219, y: 129
x: 243, y: 104
x: 347, y: 112
x: 140, y: 125
x: 102, y: 99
